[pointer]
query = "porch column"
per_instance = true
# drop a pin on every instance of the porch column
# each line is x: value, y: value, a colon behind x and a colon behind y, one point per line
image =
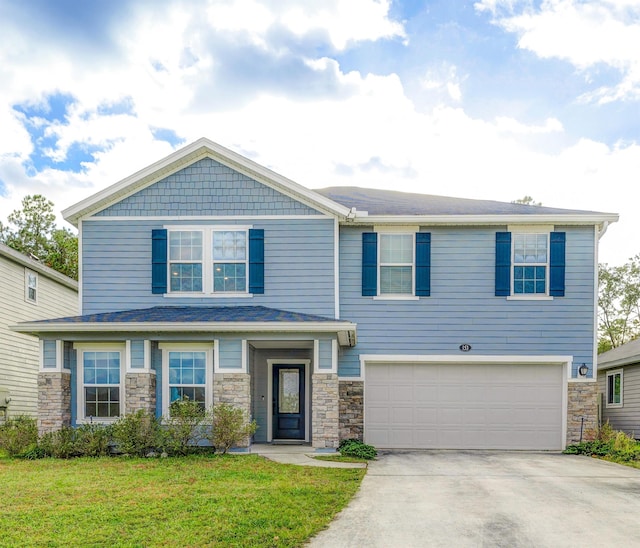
x: 582, y: 403
x: 234, y: 389
x: 140, y: 392
x: 325, y: 426
x: 54, y: 400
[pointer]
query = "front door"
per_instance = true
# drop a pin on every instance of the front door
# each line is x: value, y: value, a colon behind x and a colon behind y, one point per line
x: 288, y: 402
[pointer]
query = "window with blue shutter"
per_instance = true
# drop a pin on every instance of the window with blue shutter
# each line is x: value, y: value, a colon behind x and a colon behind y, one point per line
x: 503, y: 264
x: 159, y: 261
x: 557, y: 263
x: 369, y: 264
x: 423, y: 264
x: 256, y: 261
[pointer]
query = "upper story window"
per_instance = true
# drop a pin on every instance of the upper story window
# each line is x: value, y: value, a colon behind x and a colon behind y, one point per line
x: 230, y: 260
x: 530, y: 262
x: 614, y: 388
x: 185, y: 260
x: 30, y: 286
x: 396, y: 265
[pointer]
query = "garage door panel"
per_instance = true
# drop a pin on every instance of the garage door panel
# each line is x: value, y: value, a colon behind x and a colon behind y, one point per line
x: 460, y: 406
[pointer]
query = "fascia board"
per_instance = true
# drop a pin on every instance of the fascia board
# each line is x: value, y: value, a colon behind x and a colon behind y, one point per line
x: 172, y: 327
x: 479, y: 220
x: 34, y: 265
x: 202, y: 148
x: 621, y: 362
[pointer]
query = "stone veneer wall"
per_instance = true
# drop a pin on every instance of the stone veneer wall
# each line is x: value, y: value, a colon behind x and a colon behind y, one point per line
x: 54, y: 401
x: 140, y: 392
x: 582, y: 402
x: 351, y: 410
x: 234, y: 389
x: 325, y: 411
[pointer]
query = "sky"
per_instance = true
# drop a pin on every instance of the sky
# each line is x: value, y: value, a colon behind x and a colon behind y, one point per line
x: 487, y: 99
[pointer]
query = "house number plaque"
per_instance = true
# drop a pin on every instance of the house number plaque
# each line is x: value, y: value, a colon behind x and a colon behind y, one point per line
x: 465, y: 347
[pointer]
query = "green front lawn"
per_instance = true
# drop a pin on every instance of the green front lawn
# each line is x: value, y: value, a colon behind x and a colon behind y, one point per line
x: 193, y: 501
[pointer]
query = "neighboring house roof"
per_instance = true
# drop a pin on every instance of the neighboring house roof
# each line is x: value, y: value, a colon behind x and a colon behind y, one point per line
x: 196, y: 319
x: 374, y: 205
x: 37, y: 266
x: 348, y: 204
x: 626, y: 354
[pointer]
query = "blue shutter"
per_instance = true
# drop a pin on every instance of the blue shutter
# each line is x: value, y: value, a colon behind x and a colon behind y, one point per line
x: 256, y: 261
x: 423, y: 264
x: 557, y: 264
x: 159, y: 261
x: 369, y: 264
x: 503, y: 264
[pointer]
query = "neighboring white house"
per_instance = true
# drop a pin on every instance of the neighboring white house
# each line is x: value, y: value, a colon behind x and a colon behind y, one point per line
x: 29, y: 291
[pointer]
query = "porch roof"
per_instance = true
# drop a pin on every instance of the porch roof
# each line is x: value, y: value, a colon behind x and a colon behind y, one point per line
x: 195, y: 319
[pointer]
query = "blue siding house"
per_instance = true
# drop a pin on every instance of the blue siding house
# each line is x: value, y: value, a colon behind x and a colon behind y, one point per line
x: 406, y: 320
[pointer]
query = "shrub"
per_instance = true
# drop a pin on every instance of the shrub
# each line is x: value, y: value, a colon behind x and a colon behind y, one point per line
x: 137, y: 433
x: 355, y: 448
x: 60, y: 444
x: 18, y: 434
x: 230, y: 427
x: 609, y: 443
x: 93, y: 440
x: 184, y: 428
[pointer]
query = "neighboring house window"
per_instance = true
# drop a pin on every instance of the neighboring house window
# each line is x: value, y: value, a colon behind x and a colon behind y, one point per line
x: 530, y: 264
x: 614, y: 388
x: 396, y: 264
x: 100, y: 383
x: 187, y: 370
x: 219, y: 261
x: 530, y: 261
x: 31, y: 286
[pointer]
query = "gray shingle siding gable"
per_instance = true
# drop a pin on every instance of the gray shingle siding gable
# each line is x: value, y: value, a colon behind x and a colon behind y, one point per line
x: 207, y: 188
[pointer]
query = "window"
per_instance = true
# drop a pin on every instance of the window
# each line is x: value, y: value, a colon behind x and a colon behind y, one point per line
x: 396, y: 264
x: 187, y: 370
x: 185, y: 260
x: 100, y: 386
x: 229, y: 261
x: 188, y: 376
x: 30, y: 286
x: 614, y: 388
x: 530, y: 260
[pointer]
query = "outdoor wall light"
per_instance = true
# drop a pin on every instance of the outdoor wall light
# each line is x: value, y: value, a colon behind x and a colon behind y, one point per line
x: 583, y: 370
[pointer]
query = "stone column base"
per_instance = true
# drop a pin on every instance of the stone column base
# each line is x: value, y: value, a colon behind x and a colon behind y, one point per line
x: 352, y: 410
x: 140, y: 392
x: 324, y: 410
x: 234, y: 389
x: 582, y: 402
x: 54, y: 401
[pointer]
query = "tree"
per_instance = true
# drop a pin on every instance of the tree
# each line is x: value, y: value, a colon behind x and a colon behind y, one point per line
x: 32, y: 231
x: 618, y: 304
x: 527, y: 200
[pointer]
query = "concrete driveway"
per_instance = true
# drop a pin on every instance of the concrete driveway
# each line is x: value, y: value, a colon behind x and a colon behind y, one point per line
x: 490, y: 499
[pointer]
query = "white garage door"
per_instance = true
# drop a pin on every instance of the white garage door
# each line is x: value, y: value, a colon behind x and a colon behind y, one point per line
x: 464, y: 406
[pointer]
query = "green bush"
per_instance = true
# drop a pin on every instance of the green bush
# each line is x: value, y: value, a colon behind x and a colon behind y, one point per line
x: 184, y: 428
x: 230, y: 427
x: 60, y: 444
x: 137, y: 434
x: 18, y: 434
x: 355, y: 448
x: 93, y: 440
x: 609, y: 443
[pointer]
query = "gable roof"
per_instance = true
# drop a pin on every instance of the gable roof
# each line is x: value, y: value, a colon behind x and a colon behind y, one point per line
x: 37, y: 266
x: 626, y: 354
x: 374, y: 205
x: 184, y: 157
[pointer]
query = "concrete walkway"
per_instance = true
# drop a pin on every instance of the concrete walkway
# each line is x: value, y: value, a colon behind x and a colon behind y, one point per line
x: 489, y: 499
x: 301, y: 455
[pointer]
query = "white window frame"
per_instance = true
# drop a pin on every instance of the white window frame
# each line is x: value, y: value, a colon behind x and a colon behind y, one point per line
x: 208, y: 261
x: 410, y: 295
x: 609, y: 375
x: 523, y: 230
x: 81, y: 418
x: 166, y: 348
x: 28, y: 276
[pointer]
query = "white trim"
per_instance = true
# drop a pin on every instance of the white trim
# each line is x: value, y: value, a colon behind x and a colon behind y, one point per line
x: 398, y: 297
x: 202, y: 295
x: 60, y: 356
x: 487, y: 220
x: 80, y: 263
x: 528, y: 229
x: 336, y: 268
x: 316, y: 356
x: 334, y: 356
x: 307, y: 393
x: 613, y: 373
x: 127, y: 356
x: 528, y: 296
x: 203, y: 218
x: 397, y: 229
x: 565, y: 361
x: 207, y: 348
x: 596, y: 287
x: 531, y: 229
x: 147, y: 356
x: 27, y: 274
x: 216, y: 356
x: 98, y: 347
x: 244, y: 356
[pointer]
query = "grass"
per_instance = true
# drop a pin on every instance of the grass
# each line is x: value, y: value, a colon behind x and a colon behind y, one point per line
x: 194, y: 501
x: 340, y: 458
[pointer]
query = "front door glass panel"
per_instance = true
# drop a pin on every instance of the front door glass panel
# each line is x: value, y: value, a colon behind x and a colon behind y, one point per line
x: 289, y: 397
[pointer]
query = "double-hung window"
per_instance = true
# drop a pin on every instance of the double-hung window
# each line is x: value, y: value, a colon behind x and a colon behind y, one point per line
x: 100, y: 383
x: 396, y: 264
x: 530, y: 262
x: 614, y: 388
x: 185, y: 260
x: 229, y: 261
x: 30, y: 286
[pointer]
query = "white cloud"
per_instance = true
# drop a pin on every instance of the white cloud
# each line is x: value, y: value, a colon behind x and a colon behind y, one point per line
x: 585, y: 34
